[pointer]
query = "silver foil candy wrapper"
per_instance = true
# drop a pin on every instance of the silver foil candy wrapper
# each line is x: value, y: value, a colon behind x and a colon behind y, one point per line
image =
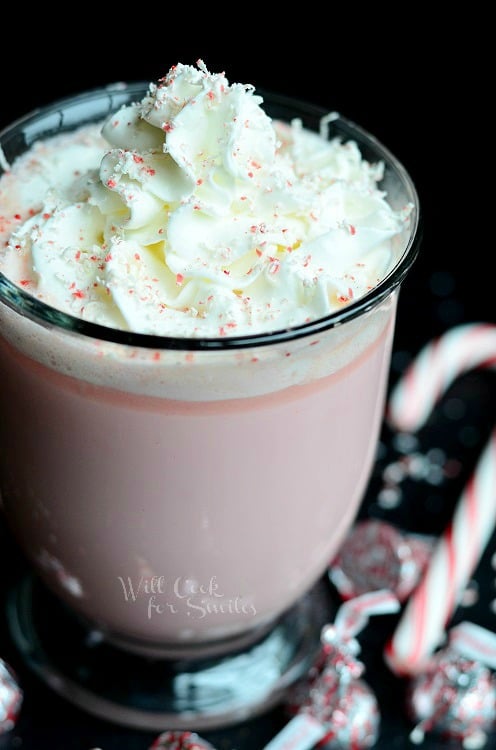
x: 337, y: 698
x: 455, y: 698
x: 375, y: 555
x: 10, y: 698
x: 350, y: 713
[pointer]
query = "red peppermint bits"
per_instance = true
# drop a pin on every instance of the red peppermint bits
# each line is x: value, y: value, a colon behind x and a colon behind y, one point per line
x: 180, y: 741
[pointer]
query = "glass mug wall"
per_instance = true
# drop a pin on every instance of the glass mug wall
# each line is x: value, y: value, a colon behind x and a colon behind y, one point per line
x: 182, y: 496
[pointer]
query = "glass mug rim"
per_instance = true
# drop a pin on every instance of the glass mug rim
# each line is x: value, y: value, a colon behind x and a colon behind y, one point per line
x: 120, y: 93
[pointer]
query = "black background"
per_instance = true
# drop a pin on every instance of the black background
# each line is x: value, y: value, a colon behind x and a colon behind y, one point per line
x: 420, y: 85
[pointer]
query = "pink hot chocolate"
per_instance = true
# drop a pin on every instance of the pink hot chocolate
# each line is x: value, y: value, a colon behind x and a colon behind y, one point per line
x: 180, y: 521
x: 178, y: 492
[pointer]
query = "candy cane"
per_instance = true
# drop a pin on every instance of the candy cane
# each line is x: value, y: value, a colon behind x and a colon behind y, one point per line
x: 458, y: 550
x: 436, y: 367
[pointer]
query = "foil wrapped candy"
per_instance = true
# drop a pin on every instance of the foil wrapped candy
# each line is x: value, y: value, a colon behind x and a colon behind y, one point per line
x: 455, y: 696
x: 11, y: 697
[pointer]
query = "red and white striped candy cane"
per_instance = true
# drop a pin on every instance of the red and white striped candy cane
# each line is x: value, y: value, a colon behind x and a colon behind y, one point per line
x: 435, y: 368
x: 458, y: 550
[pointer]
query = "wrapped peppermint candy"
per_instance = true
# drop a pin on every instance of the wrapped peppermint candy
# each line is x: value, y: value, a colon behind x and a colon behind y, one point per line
x: 180, y: 741
x: 456, y: 696
x: 333, y: 707
x: 10, y: 698
x: 374, y: 556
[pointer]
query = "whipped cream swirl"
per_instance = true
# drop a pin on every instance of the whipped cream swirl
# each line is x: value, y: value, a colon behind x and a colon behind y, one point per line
x: 204, y: 218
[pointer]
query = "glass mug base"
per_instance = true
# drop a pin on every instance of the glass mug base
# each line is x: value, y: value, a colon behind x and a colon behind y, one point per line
x: 162, y: 693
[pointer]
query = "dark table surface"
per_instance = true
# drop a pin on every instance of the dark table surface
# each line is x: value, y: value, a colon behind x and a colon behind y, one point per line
x: 449, y: 285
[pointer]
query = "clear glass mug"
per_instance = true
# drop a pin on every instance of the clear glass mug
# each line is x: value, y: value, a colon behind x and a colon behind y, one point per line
x: 181, y: 498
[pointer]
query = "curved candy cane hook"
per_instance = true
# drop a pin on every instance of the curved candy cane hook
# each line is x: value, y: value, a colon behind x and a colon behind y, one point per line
x: 457, y: 552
